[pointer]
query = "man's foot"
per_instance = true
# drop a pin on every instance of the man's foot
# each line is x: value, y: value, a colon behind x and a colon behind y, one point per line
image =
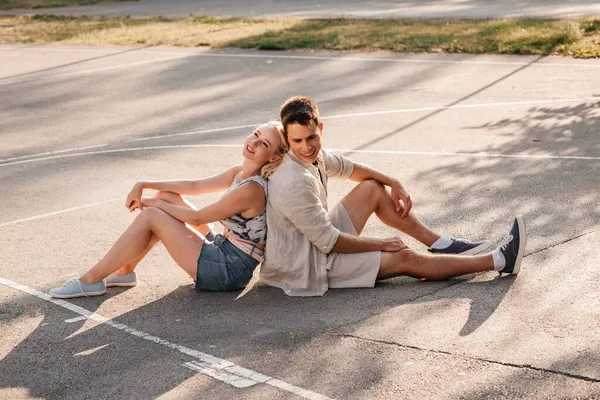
x: 75, y: 288
x: 512, y: 247
x: 463, y: 247
x: 128, y: 280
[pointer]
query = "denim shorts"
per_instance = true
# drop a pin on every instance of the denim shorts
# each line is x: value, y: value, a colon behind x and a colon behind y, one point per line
x: 223, y: 267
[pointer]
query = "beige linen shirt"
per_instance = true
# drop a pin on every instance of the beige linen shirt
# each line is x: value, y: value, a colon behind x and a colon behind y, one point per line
x: 300, y: 234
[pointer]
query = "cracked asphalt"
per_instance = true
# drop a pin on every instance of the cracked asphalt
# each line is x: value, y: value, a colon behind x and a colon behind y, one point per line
x: 475, y: 140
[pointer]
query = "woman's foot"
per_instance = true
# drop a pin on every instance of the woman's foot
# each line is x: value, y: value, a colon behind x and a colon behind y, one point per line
x: 75, y: 288
x: 128, y: 280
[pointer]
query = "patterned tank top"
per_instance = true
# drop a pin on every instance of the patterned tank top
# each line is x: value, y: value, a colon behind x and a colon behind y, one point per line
x: 254, y: 228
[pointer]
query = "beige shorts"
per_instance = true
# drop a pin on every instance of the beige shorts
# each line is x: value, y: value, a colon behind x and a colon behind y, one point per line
x: 355, y: 270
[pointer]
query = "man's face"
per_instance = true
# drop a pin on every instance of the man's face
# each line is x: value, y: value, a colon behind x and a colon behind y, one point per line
x: 305, y: 141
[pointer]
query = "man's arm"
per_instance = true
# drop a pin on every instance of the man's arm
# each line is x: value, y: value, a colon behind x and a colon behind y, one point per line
x: 299, y: 202
x: 347, y: 243
x: 361, y: 172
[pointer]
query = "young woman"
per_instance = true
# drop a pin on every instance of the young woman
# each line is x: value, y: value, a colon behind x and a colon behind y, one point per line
x: 224, y: 264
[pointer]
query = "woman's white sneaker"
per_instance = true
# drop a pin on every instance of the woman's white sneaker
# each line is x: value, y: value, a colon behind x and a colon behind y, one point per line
x: 128, y: 280
x: 75, y: 288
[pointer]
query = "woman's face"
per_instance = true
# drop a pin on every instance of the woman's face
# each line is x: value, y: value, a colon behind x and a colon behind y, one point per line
x: 261, y: 146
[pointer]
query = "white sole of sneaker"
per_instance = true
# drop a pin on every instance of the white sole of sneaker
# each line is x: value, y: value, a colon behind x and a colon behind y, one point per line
x: 72, y: 296
x: 522, y: 244
x: 477, y: 250
x: 121, y: 284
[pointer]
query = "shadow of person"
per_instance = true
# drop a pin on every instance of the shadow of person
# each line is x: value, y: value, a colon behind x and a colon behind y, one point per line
x: 71, y: 360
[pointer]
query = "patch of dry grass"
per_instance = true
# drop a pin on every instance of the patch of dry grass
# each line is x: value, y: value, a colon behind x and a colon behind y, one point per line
x: 577, y: 38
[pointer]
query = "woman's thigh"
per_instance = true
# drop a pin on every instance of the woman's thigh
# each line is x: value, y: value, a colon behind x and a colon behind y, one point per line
x: 178, y: 200
x: 183, y: 243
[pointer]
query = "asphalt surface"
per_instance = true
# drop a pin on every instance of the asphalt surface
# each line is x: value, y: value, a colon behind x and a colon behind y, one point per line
x: 475, y: 139
x: 337, y: 8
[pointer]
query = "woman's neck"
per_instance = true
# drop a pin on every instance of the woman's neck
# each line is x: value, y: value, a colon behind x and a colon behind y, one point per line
x: 249, y: 169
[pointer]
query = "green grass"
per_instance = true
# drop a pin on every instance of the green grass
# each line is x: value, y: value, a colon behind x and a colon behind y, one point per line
x: 576, y: 38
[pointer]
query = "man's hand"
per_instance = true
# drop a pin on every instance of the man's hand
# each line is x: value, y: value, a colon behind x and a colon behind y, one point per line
x: 399, y: 194
x: 393, y: 244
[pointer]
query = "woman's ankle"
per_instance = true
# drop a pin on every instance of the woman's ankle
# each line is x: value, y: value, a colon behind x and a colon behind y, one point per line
x: 88, y: 280
x: 123, y: 271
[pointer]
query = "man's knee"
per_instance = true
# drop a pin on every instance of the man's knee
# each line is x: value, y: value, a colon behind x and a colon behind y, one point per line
x: 407, y: 256
x: 371, y: 185
x: 397, y: 263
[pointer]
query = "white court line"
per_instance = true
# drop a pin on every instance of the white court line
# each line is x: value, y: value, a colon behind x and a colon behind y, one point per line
x: 397, y: 111
x: 119, y: 151
x: 394, y: 152
x: 76, y: 319
x: 11, y: 81
x: 230, y: 128
x: 331, y: 58
x: 53, y: 152
x: 384, y: 112
x: 218, y: 368
x: 18, y: 221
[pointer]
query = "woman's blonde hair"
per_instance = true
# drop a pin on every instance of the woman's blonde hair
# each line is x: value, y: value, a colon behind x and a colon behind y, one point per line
x: 269, y: 168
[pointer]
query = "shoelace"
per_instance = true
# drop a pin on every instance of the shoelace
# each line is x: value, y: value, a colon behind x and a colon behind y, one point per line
x: 505, y: 241
x: 75, y: 278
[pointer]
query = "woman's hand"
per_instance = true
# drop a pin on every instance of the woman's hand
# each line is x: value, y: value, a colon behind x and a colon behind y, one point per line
x: 151, y: 202
x: 134, y: 198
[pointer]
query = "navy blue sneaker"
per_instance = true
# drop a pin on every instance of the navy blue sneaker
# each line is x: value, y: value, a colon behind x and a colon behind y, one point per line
x: 463, y: 247
x: 512, y: 247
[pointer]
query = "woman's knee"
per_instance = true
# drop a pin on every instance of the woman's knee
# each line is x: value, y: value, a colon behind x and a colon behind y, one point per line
x: 170, y: 197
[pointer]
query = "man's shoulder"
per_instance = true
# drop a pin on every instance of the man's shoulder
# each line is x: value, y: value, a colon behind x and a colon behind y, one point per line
x: 288, y: 172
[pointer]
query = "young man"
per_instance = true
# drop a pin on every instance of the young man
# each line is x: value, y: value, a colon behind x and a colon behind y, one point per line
x: 310, y: 249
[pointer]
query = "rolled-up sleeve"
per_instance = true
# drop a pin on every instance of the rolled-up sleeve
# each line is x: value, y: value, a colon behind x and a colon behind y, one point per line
x: 337, y: 166
x: 299, y: 201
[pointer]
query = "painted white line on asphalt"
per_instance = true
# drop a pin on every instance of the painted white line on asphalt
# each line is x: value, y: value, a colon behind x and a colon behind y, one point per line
x: 11, y: 81
x: 76, y: 319
x: 53, y: 152
x: 18, y: 221
x: 218, y: 368
x: 119, y: 151
x: 466, y: 106
x: 480, y: 154
x: 394, y: 152
x: 230, y: 128
x: 384, y: 112
x: 331, y: 58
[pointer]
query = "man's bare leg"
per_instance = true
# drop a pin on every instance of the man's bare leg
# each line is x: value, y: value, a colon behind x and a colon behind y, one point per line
x: 370, y: 197
x: 169, y: 197
x: 432, y: 267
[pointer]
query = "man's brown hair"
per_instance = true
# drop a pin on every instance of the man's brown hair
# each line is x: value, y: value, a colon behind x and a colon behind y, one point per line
x: 299, y: 110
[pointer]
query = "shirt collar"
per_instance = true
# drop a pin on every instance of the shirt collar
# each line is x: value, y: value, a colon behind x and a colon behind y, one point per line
x: 311, y: 167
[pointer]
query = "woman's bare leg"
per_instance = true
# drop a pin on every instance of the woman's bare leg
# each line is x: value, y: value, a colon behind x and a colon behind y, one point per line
x: 169, y: 197
x: 182, y: 243
x: 431, y: 266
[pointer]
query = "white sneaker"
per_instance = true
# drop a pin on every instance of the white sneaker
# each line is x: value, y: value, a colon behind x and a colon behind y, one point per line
x: 128, y: 280
x: 75, y: 288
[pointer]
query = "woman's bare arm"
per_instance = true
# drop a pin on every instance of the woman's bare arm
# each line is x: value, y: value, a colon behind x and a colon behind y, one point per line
x: 249, y: 197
